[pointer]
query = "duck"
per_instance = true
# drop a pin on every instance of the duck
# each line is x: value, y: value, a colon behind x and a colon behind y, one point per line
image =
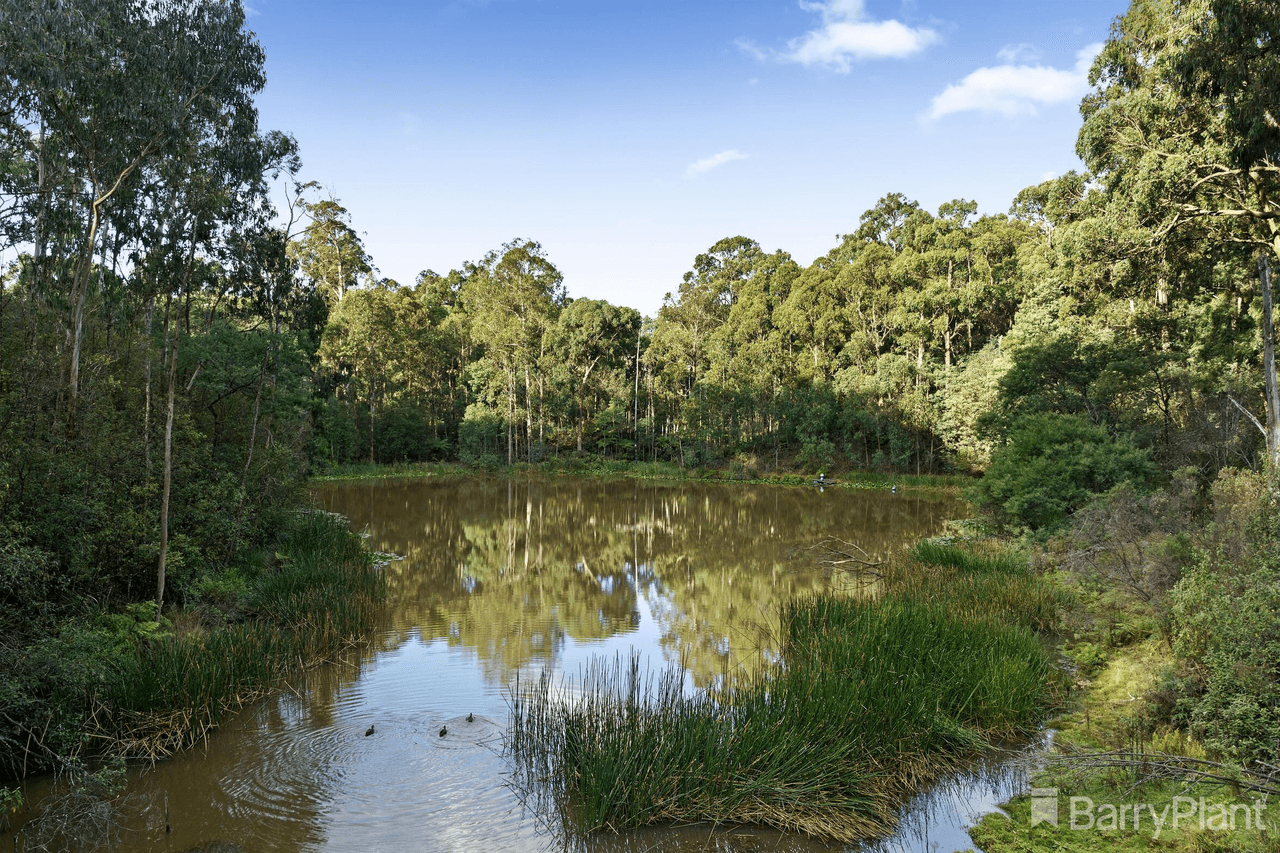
x: 471, y: 718
x: 368, y: 732
x: 444, y: 730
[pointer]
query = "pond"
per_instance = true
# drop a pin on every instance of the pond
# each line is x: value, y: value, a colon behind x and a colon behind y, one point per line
x: 398, y: 744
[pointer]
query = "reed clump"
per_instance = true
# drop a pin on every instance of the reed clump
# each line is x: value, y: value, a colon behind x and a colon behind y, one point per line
x: 875, y: 698
x: 322, y: 595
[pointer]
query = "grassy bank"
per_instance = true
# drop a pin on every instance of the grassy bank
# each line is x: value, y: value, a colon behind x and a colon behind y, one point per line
x: 610, y: 468
x: 129, y: 683
x: 1108, y: 755
x: 878, y: 696
x: 1174, y: 640
x: 321, y: 593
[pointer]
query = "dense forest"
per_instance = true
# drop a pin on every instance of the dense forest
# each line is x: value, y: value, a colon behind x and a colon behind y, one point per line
x: 177, y: 354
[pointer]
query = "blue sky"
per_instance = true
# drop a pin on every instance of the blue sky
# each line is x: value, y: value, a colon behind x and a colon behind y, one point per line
x: 627, y: 137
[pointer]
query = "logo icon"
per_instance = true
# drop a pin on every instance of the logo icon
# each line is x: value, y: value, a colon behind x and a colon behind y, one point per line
x: 1044, y: 806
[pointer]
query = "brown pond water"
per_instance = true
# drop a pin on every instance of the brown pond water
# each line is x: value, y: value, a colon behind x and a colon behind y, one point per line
x: 501, y: 579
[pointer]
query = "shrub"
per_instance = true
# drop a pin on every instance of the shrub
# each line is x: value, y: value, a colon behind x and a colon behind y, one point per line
x: 1050, y: 466
x: 1227, y: 621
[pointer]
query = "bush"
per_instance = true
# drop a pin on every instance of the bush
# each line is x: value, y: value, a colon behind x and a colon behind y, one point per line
x: 1227, y: 622
x: 1050, y: 466
x: 481, y: 435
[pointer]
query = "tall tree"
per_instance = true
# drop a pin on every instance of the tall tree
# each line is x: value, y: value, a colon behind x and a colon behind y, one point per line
x: 1182, y: 131
x: 105, y: 88
x: 511, y: 300
x: 329, y: 253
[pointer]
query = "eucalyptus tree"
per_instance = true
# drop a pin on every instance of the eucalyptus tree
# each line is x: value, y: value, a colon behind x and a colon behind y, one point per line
x: 813, y: 320
x: 748, y: 353
x: 511, y: 299
x: 590, y: 348
x: 684, y: 339
x: 1181, y: 132
x: 107, y: 88
x: 362, y: 339
x: 329, y: 253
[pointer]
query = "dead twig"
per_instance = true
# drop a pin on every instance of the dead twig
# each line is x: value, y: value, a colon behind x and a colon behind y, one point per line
x: 836, y: 553
x: 1158, y: 766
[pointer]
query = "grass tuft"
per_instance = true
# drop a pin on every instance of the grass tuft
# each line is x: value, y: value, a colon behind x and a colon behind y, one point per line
x: 322, y: 596
x: 876, y: 698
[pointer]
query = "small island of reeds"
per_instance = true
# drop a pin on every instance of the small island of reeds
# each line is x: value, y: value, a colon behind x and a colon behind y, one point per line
x: 875, y: 697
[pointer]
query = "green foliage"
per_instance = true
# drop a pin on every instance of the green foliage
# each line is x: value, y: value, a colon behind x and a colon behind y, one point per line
x: 1227, y: 621
x: 931, y: 552
x: 481, y: 436
x: 1050, y: 466
x: 10, y: 803
x: 324, y: 595
x: 1089, y: 658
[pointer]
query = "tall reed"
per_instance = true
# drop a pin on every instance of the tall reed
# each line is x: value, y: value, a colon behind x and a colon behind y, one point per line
x: 324, y: 595
x: 875, y: 698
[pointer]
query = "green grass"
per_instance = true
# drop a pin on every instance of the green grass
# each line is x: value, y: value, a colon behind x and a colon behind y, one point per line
x: 384, y: 471
x: 585, y: 466
x: 876, y: 697
x: 998, y: 833
x: 985, y: 578
x: 966, y: 558
x: 323, y: 594
x: 1109, y: 714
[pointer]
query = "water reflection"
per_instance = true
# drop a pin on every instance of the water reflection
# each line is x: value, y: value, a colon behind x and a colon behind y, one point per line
x: 526, y: 572
x: 500, y: 579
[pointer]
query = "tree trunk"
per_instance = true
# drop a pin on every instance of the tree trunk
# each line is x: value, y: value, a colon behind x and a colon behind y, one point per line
x: 1269, y: 364
x: 253, y: 429
x: 947, y: 335
x: 79, y: 294
x: 146, y: 411
x: 528, y: 416
x: 511, y: 414
x: 635, y: 400
x: 168, y: 468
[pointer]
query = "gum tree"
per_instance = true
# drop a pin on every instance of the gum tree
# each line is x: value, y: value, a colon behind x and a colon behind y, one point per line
x: 1182, y: 132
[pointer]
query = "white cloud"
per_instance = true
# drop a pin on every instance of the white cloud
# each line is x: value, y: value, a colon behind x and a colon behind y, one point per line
x: 708, y: 163
x: 1015, y: 89
x: 846, y: 35
x: 749, y: 47
x: 1021, y: 52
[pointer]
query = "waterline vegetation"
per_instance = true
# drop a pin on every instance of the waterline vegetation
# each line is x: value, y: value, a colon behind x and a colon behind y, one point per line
x: 323, y: 594
x: 876, y: 696
x: 597, y: 467
x: 161, y: 685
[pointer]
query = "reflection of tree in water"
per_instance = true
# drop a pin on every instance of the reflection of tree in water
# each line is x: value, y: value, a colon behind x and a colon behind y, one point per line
x: 511, y: 569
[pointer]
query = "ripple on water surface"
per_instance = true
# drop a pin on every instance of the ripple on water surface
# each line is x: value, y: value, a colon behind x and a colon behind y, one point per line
x: 499, y: 579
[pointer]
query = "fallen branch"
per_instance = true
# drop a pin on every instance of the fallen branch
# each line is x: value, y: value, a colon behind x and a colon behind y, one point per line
x: 1260, y: 778
x: 839, y: 548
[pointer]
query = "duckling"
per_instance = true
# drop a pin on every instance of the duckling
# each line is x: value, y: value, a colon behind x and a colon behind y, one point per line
x: 444, y: 730
x: 368, y: 731
x: 471, y: 718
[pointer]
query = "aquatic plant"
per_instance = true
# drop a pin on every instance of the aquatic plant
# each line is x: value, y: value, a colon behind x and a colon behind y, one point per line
x: 876, y: 697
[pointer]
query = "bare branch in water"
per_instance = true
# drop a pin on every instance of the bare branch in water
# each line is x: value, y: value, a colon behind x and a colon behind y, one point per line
x: 842, y: 555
